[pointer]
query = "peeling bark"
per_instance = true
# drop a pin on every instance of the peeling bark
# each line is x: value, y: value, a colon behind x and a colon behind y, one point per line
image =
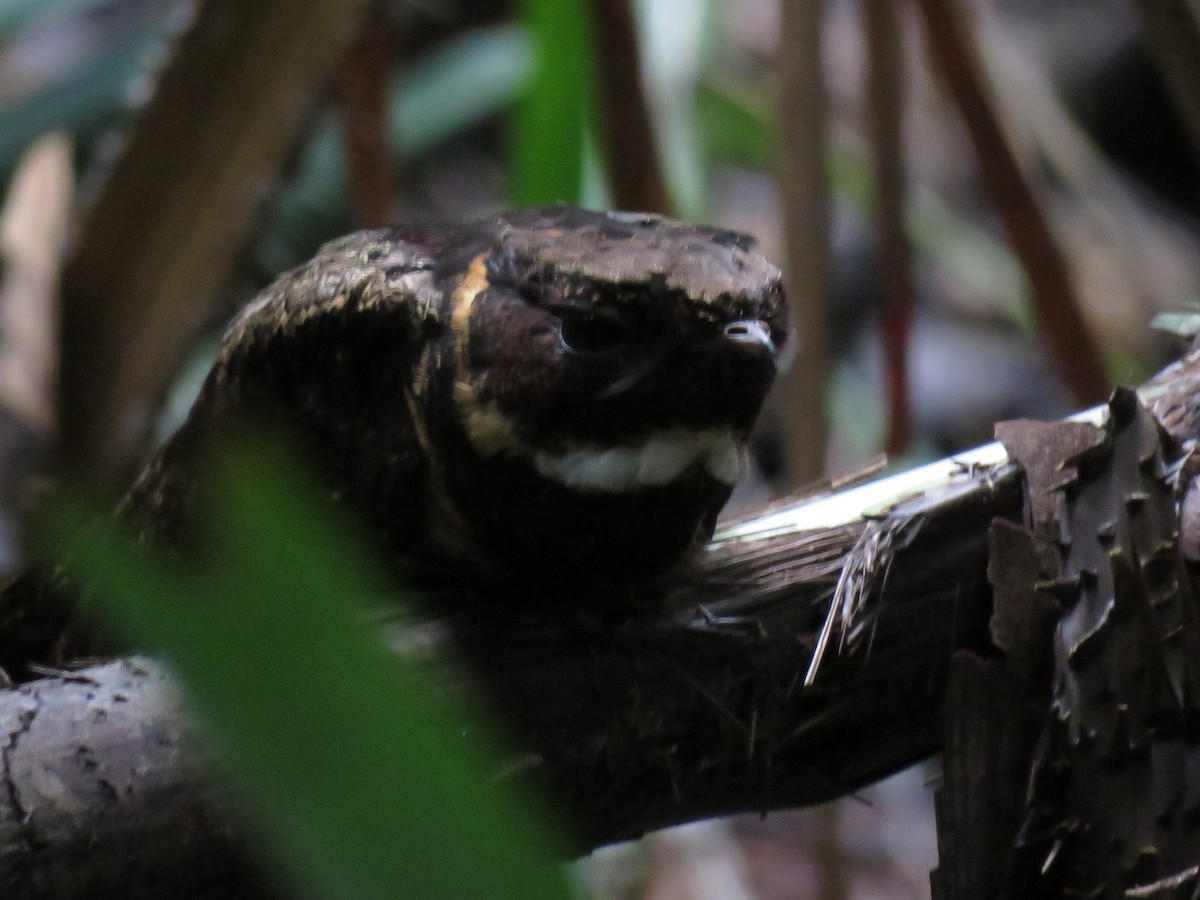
x: 1090, y: 705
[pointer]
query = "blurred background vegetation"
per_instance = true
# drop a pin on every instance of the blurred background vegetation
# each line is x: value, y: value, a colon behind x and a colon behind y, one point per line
x: 980, y: 206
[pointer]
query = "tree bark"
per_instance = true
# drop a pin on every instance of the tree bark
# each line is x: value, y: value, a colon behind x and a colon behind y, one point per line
x: 105, y: 794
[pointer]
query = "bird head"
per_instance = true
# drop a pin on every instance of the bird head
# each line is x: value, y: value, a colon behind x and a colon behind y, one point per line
x: 608, y: 370
x: 549, y: 395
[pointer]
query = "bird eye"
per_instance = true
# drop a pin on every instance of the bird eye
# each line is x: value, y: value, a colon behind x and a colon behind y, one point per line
x: 587, y: 333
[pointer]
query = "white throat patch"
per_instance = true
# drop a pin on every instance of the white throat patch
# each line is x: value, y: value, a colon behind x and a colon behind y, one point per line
x: 654, y: 462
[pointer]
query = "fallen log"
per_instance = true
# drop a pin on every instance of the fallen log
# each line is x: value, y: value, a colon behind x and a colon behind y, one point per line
x: 106, y: 793
x: 711, y: 704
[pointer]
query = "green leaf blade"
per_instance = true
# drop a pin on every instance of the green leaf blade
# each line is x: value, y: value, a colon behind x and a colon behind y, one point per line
x: 556, y: 112
x: 368, y: 779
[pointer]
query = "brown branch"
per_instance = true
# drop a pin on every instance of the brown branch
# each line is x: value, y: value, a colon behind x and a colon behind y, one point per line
x: 364, y: 85
x: 800, y: 398
x: 630, y: 144
x: 885, y: 122
x: 696, y: 711
x: 162, y: 236
x: 1056, y: 308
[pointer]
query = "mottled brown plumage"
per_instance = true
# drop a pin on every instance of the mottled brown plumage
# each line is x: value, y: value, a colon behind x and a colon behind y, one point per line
x: 546, y: 396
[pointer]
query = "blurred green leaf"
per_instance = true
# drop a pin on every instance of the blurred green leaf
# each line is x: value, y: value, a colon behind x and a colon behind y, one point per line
x: 462, y: 82
x: 734, y: 129
x: 1127, y: 367
x: 18, y: 14
x: 459, y: 84
x: 371, y: 782
x: 673, y: 47
x: 979, y: 262
x: 1184, y: 324
x: 557, y: 108
x: 455, y: 86
x: 738, y: 129
x: 91, y: 97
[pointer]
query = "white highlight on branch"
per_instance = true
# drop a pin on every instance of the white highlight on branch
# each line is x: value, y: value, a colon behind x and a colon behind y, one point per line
x: 874, y: 499
x: 884, y: 533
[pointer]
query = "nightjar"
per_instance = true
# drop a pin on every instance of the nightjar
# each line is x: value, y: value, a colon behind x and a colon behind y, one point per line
x: 547, y: 396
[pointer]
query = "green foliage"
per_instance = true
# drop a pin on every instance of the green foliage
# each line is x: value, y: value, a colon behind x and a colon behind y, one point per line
x: 1183, y: 324
x: 459, y: 84
x: 366, y: 778
x: 18, y: 14
x: 676, y: 49
x: 737, y: 127
x: 557, y: 109
x: 86, y: 100
x: 734, y: 127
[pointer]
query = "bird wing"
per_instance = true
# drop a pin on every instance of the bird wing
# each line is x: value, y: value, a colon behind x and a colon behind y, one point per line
x: 324, y: 357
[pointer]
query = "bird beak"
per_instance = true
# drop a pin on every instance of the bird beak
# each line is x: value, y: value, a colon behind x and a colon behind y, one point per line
x: 755, y: 333
x: 751, y: 334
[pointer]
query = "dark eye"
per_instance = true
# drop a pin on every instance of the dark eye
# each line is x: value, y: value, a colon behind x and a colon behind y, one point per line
x: 589, y: 333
